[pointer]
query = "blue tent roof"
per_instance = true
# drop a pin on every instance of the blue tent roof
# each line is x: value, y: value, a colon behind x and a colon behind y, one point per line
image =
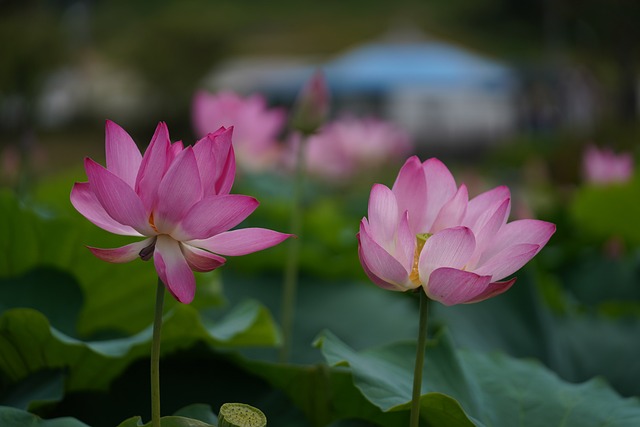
x: 381, y: 66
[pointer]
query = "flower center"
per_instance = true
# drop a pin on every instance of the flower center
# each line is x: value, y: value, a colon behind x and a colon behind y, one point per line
x: 421, y: 239
x: 152, y: 223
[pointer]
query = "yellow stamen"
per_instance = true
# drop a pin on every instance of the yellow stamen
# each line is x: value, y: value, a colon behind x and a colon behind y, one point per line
x: 421, y: 239
x: 152, y: 223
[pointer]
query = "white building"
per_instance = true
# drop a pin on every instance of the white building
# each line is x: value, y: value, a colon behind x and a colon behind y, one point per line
x: 442, y: 94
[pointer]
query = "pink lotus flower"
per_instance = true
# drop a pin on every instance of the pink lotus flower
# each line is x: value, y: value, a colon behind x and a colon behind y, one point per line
x: 256, y: 127
x: 178, y: 198
x: 425, y: 232
x: 346, y: 146
x: 603, y: 166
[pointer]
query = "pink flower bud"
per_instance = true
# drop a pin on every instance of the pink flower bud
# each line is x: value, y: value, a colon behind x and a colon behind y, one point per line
x: 312, y: 106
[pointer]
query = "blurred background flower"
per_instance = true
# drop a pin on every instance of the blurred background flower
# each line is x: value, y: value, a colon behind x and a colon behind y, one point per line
x: 515, y: 78
x: 603, y: 166
x: 256, y: 128
x: 351, y: 146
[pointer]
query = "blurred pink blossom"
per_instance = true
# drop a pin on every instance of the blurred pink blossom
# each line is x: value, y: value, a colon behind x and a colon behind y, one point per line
x: 603, y: 166
x: 255, y: 127
x: 347, y: 146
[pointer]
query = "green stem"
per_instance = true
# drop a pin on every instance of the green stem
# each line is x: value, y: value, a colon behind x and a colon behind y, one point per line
x: 417, y: 372
x: 291, y: 268
x: 155, y: 356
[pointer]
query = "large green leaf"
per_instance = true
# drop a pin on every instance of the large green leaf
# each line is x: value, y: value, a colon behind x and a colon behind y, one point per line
x: 595, y: 277
x: 12, y: 417
x: 576, y: 344
x: 41, y: 388
x: 385, y: 376
x: 324, y: 394
x: 53, y: 292
x: 346, y: 307
x: 29, y: 344
x: 493, y: 389
x: 200, y: 412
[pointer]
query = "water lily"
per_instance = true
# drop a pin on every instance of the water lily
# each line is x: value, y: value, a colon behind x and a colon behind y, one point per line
x: 256, y: 127
x: 175, y: 196
x: 425, y: 232
x: 603, y: 166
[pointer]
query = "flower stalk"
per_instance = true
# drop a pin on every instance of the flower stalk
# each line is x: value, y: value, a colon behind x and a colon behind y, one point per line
x: 293, y: 260
x: 417, y: 372
x: 155, y: 356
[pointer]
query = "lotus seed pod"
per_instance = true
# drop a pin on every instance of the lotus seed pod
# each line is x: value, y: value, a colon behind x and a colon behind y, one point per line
x: 241, y: 415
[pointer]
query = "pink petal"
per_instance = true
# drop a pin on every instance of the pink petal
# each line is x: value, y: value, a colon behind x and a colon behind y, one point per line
x: 441, y: 187
x: 179, y: 190
x: 383, y: 216
x: 452, y: 286
x: 379, y: 264
x: 482, y: 203
x: 123, y: 156
x: 117, y: 198
x: 410, y: 189
x: 214, y: 215
x: 173, y: 269
x: 453, y: 211
x: 487, y: 228
x: 155, y: 162
x: 86, y: 202
x: 405, y: 245
x: 508, y: 261
x: 216, y: 162
x: 375, y: 279
x: 241, y: 242
x: 451, y: 247
x: 522, y: 231
x: 175, y: 149
x: 228, y: 174
x: 122, y: 254
x: 200, y: 260
x: 494, y: 289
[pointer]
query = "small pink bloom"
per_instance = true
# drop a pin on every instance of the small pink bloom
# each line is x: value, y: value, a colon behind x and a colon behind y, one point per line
x: 603, y: 166
x: 349, y: 145
x: 256, y: 127
x: 426, y: 232
x: 312, y: 106
x: 176, y: 197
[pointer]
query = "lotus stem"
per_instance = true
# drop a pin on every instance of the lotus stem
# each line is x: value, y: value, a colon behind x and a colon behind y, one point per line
x: 417, y: 372
x: 155, y: 356
x: 291, y: 269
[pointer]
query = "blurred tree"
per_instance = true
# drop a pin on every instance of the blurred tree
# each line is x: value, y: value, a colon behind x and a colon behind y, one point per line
x: 32, y: 44
x: 172, y: 44
x: 609, y: 30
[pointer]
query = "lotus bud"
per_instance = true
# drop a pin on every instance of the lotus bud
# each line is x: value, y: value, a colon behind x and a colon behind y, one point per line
x: 312, y: 106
